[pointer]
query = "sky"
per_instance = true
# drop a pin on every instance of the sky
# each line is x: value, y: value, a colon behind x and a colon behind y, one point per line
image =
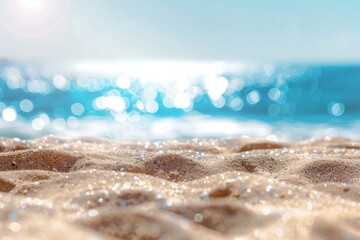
x: 229, y: 30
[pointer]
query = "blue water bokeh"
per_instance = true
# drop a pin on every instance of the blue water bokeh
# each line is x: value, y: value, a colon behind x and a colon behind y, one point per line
x: 287, y: 93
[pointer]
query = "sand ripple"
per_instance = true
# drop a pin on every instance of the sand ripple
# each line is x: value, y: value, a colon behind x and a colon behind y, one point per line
x: 239, y: 188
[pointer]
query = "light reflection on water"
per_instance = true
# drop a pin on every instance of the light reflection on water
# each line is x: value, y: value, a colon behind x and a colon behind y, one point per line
x: 237, y: 99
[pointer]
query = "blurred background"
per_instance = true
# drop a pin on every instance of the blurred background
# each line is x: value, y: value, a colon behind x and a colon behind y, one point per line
x: 131, y: 69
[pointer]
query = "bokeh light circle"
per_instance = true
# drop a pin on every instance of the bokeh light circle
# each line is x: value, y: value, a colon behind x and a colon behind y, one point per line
x: 32, y: 18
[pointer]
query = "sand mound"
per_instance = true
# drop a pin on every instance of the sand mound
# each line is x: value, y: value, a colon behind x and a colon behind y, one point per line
x: 90, y: 188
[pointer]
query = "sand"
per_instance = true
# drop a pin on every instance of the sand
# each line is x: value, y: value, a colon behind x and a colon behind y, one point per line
x: 238, y: 188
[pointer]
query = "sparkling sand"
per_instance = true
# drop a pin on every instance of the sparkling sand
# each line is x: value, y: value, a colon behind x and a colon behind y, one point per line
x: 238, y: 188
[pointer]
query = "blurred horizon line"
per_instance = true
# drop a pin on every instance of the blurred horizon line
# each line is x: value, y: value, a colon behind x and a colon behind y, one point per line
x: 113, y: 61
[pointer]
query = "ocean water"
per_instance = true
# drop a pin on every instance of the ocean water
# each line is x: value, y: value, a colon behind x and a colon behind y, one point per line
x: 168, y: 100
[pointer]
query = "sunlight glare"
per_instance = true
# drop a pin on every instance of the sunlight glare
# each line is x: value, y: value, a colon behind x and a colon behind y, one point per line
x: 32, y: 18
x: 32, y: 5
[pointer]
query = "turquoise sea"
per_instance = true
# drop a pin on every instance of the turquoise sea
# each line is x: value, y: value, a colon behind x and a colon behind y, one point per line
x: 168, y: 100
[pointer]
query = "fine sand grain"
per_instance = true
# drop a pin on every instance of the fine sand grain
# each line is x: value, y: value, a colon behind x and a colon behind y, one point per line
x: 239, y: 188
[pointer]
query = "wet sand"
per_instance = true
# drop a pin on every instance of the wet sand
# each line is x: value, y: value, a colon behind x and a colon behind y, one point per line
x: 239, y: 188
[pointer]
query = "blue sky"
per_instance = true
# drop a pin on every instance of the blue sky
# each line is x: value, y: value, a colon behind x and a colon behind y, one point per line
x: 254, y: 30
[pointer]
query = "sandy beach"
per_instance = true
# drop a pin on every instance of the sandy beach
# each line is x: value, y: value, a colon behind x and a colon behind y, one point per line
x: 238, y: 188
x: 179, y: 120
